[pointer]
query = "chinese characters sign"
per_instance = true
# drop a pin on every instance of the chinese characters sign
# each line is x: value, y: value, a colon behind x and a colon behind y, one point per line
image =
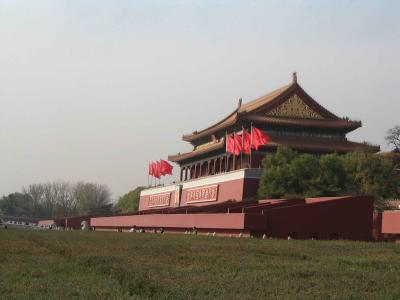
x: 159, y: 200
x: 202, y: 194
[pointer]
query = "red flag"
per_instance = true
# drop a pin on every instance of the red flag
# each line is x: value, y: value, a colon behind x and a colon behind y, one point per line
x: 153, y: 167
x: 150, y: 169
x: 230, y: 144
x: 246, y: 142
x: 238, y: 144
x: 258, y: 138
x: 165, y: 167
x: 157, y: 170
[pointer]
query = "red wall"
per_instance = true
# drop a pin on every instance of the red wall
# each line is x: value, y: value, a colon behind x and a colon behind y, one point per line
x: 391, y: 222
x: 250, y: 188
x: 228, y: 190
x: 214, y: 221
x: 320, y: 218
x: 74, y: 222
x: 46, y: 222
x: 343, y: 218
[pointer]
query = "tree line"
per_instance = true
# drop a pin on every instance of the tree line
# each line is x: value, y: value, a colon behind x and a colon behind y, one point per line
x: 288, y: 174
x: 57, y: 199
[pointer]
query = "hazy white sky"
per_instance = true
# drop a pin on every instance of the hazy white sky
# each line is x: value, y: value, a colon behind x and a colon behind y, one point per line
x: 93, y: 90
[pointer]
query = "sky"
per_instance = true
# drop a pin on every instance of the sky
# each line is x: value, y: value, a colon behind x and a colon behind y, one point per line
x: 92, y: 90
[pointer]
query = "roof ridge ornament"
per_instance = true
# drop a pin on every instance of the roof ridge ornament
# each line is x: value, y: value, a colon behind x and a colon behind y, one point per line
x: 294, y: 77
x: 240, y: 102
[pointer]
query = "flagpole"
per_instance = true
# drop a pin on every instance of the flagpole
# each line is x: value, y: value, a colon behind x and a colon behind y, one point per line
x: 155, y: 178
x: 148, y: 171
x: 241, y: 153
x: 151, y: 178
x: 251, y: 142
x: 226, y: 156
x: 234, y: 151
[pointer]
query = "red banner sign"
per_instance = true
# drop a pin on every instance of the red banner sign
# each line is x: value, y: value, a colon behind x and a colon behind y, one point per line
x: 159, y: 200
x: 202, y: 194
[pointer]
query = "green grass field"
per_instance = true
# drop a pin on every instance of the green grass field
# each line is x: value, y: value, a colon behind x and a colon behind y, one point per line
x: 99, y: 265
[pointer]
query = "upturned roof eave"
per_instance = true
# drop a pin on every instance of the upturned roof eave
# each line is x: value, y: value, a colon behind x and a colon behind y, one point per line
x: 210, y: 148
x: 321, y: 145
x: 341, y: 124
x: 224, y: 123
x: 296, y: 143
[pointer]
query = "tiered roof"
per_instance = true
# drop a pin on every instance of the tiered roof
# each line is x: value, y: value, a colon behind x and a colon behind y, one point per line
x: 288, y: 106
x: 257, y: 110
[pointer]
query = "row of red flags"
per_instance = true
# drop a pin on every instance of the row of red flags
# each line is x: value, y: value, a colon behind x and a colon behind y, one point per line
x: 160, y: 168
x: 245, y: 142
x: 238, y: 143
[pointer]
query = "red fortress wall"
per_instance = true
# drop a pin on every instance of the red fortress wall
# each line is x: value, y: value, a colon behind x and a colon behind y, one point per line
x: 319, y: 218
x: 323, y: 218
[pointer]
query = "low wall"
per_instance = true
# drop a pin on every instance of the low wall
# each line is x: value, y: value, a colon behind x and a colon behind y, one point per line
x: 391, y: 222
x: 183, y: 221
x: 391, y: 225
x: 46, y: 223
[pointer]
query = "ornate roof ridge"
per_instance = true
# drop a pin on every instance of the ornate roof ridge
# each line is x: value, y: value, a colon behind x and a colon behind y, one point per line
x: 232, y: 117
x: 266, y: 102
x: 258, y: 102
x: 303, y: 122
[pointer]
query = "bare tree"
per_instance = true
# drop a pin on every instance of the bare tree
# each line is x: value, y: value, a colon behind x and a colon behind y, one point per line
x: 42, y: 197
x: 62, y: 199
x: 36, y: 192
x: 63, y: 193
x: 393, y: 137
x: 54, y: 199
x: 91, y: 197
